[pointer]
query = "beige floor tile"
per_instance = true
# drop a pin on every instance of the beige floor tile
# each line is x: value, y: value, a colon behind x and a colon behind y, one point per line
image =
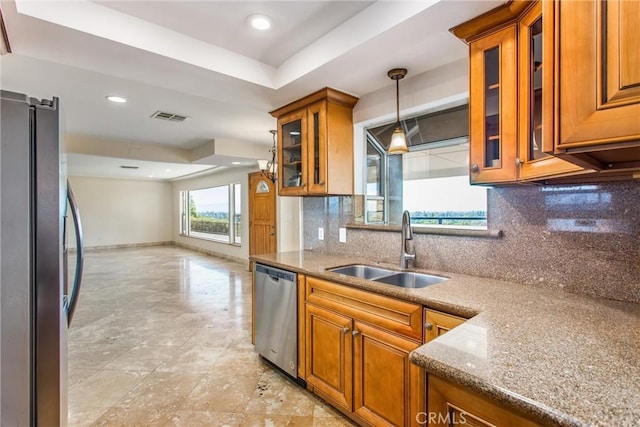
x: 77, y: 375
x: 152, y: 402
x: 206, y: 419
x: 278, y: 395
x: 192, y: 359
x: 99, y: 392
x: 221, y: 392
x: 142, y: 358
x: 186, y: 317
x: 93, y: 355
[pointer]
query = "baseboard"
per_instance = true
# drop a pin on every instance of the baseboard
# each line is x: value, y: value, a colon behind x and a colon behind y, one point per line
x: 123, y: 246
x: 242, y: 261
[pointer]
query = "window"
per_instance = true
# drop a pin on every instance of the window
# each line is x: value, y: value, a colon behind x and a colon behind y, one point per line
x: 212, y: 213
x: 431, y: 181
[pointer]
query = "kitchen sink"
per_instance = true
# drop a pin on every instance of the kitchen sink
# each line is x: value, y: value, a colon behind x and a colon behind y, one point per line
x: 404, y: 279
x: 363, y: 271
x: 411, y: 280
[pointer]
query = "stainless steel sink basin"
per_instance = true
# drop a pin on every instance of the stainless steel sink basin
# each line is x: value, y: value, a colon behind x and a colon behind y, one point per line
x: 411, y: 280
x: 363, y: 271
x: 404, y: 279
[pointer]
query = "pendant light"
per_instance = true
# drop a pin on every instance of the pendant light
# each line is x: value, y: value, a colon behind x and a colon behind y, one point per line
x: 398, y: 143
x: 269, y: 167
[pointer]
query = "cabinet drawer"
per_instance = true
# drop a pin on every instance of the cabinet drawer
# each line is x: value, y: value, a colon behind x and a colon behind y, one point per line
x: 437, y: 323
x: 398, y: 316
x: 454, y: 405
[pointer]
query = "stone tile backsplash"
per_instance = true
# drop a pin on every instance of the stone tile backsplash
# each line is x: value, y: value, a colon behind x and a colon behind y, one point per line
x: 579, y: 238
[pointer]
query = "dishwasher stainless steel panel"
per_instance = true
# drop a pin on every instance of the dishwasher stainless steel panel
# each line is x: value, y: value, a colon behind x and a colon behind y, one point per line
x: 276, y: 317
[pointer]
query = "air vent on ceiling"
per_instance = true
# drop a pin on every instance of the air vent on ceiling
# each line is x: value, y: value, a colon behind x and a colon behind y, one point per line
x: 162, y: 115
x: 129, y: 167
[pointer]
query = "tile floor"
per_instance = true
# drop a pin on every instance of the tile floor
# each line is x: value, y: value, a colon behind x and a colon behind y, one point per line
x: 162, y: 337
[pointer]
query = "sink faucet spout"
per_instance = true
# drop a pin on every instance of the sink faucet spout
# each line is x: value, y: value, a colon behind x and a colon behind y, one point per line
x: 408, y: 248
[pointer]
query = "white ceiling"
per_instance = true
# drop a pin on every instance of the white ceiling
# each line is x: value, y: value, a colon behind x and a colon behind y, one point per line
x: 200, y: 59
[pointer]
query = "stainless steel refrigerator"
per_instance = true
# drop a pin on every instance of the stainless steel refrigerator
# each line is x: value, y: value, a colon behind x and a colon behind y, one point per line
x: 35, y: 310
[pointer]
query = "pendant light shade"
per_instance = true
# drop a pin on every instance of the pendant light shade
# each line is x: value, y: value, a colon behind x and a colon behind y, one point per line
x: 398, y: 143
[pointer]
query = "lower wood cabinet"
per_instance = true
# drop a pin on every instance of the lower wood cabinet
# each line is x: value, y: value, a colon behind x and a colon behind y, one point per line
x: 437, y: 323
x: 450, y: 404
x: 329, y: 355
x: 358, y: 366
x: 384, y: 381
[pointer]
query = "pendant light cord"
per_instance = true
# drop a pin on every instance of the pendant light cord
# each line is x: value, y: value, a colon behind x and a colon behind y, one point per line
x: 398, y: 101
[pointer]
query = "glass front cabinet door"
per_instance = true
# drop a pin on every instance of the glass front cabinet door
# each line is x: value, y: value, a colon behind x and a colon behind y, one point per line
x: 315, y: 145
x: 492, y: 107
x: 511, y: 95
x: 291, y: 156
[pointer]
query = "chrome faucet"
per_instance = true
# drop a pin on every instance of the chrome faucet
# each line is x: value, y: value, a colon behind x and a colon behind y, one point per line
x: 408, y: 248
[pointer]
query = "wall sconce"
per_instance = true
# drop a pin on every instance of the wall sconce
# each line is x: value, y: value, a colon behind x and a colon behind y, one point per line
x: 398, y: 139
x: 269, y: 167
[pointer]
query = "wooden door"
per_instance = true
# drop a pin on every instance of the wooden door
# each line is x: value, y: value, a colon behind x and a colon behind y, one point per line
x: 329, y: 355
x: 436, y: 324
x: 262, y: 215
x: 493, y: 107
x: 388, y: 389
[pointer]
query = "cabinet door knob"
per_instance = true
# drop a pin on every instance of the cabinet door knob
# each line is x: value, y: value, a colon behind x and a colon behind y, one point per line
x: 345, y: 330
x: 519, y: 162
x: 475, y: 168
x: 355, y: 333
x: 428, y: 326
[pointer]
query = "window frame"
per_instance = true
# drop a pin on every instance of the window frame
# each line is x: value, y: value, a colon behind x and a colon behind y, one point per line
x: 234, y: 195
x: 387, y: 221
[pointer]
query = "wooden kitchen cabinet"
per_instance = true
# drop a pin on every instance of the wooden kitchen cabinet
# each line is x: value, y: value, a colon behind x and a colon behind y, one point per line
x: 315, y: 145
x: 385, y: 383
x: 597, y: 77
x: 358, y: 346
x: 329, y: 355
x: 450, y: 404
x: 437, y: 323
x: 511, y: 95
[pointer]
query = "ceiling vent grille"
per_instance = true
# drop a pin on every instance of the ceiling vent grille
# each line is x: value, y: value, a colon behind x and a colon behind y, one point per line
x: 162, y: 115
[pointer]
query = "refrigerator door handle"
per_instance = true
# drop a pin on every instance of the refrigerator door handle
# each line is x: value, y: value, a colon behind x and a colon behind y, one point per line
x: 72, y: 300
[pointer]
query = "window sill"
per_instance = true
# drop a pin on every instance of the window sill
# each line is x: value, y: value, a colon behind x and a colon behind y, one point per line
x: 442, y: 231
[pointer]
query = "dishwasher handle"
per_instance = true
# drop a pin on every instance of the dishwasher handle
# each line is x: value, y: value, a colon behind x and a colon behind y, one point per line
x: 275, y: 273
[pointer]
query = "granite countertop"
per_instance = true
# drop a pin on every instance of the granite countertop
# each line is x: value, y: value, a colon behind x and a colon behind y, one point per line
x: 560, y: 358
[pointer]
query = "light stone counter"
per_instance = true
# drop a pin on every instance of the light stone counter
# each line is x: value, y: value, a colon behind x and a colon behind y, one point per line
x: 560, y: 358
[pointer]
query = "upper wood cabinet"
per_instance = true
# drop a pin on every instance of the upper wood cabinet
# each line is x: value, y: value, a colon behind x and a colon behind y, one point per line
x: 315, y: 145
x: 511, y: 95
x: 597, y: 77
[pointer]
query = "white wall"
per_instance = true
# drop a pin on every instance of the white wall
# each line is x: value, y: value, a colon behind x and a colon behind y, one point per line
x: 289, y: 223
x: 122, y: 212
x: 229, y: 176
x: 433, y: 90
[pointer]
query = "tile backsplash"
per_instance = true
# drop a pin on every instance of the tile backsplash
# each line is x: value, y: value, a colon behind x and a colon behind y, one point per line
x: 578, y: 238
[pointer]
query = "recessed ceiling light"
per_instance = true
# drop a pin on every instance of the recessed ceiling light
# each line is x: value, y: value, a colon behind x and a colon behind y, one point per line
x: 149, y: 176
x: 117, y: 99
x: 259, y: 21
x: 167, y: 170
x: 236, y: 163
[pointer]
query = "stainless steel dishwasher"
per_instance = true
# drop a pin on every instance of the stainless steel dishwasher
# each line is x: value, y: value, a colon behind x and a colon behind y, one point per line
x: 276, y: 317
